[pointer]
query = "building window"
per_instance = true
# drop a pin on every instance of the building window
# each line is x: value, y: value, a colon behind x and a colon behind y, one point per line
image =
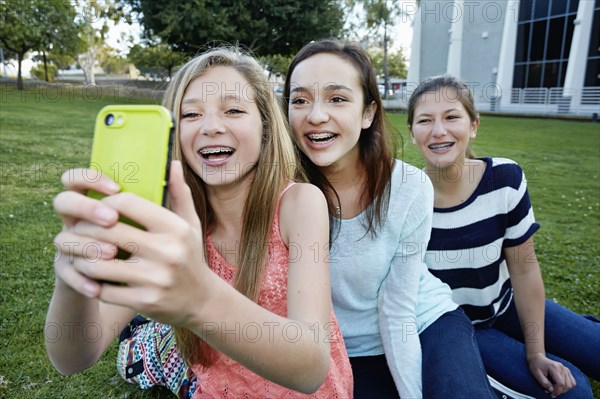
x: 551, y: 74
x: 592, y: 73
x: 556, y: 37
x: 544, y: 35
x: 541, y: 9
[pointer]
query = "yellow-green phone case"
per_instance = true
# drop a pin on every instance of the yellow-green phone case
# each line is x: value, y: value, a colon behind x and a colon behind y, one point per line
x: 134, y: 149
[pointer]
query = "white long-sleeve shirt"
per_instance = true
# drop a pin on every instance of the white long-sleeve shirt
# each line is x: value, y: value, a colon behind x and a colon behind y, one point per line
x: 383, y: 294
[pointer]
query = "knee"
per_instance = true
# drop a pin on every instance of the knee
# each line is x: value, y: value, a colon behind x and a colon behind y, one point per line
x: 582, y: 390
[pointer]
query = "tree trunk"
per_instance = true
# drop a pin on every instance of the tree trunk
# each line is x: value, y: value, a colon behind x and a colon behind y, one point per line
x: 19, y: 77
x: 45, y: 66
x: 91, y: 61
x: 385, y: 62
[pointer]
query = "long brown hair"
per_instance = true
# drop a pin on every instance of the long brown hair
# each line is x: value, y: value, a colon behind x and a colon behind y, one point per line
x: 378, y: 143
x: 435, y: 84
x: 276, y: 166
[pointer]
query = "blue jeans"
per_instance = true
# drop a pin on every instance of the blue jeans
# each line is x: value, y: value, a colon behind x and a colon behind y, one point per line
x: 452, y: 365
x: 570, y: 339
x: 372, y: 378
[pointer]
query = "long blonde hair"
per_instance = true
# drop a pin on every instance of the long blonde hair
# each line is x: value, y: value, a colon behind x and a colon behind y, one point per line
x: 275, y: 167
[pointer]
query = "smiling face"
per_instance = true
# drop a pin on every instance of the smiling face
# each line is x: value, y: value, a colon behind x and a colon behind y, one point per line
x: 220, y: 126
x: 442, y: 128
x: 327, y: 111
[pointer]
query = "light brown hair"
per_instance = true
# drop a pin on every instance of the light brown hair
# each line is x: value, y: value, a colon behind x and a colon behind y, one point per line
x: 276, y: 166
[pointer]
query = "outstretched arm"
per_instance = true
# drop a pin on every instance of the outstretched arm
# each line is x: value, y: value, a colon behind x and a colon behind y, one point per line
x: 79, y: 327
x: 168, y: 280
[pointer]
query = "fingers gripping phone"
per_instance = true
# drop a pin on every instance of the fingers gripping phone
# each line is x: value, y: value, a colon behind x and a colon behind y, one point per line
x: 132, y: 145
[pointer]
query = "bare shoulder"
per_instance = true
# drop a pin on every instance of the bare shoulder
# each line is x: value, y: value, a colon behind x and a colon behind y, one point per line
x: 303, y: 193
x: 303, y: 206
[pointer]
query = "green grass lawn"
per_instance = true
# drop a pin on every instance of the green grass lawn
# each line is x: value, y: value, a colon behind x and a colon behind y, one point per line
x: 44, y: 132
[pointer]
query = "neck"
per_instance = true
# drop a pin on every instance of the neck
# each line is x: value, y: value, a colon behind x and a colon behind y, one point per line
x: 347, y: 176
x: 455, y: 179
x: 228, y: 203
x: 346, y: 173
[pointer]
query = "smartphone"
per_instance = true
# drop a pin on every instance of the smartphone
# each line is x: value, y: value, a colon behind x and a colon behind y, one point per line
x: 132, y: 145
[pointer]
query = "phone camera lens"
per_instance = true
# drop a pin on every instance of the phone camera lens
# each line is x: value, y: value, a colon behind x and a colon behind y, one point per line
x: 109, y: 119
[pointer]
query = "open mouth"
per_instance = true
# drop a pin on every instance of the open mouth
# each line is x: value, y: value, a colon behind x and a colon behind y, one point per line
x: 215, y: 153
x: 321, y: 138
x: 440, y: 147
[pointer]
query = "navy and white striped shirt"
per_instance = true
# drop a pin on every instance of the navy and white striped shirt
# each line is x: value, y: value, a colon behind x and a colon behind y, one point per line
x: 467, y: 241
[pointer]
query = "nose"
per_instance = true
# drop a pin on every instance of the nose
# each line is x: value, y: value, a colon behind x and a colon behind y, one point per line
x: 212, y: 124
x: 438, y: 129
x: 317, y: 114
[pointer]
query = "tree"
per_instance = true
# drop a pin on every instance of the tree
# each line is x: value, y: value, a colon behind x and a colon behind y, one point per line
x: 396, y: 63
x: 276, y: 63
x: 111, y: 62
x: 273, y: 27
x: 45, y: 72
x: 35, y: 25
x: 94, y: 18
x: 153, y: 56
x: 380, y: 16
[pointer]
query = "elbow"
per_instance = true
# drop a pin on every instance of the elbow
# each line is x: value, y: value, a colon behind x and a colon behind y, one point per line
x: 68, y: 366
x: 316, y: 374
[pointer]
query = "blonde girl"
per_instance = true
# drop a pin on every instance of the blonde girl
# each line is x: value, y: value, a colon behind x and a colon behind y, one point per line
x: 251, y: 317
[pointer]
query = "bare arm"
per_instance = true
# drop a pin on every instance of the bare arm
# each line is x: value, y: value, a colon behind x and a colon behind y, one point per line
x: 528, y: 286
x: 168, y: 280
x: 79, y: 328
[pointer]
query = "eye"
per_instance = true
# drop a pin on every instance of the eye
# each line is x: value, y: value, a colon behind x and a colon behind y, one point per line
x: 298, y: 101
x: 453, y: 117
x: 423, y: 120
x: 189, y: 115
x: 234, y: 111
x: 337, y: 99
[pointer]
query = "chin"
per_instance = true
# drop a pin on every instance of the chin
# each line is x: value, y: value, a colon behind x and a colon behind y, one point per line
x: 322, y: 163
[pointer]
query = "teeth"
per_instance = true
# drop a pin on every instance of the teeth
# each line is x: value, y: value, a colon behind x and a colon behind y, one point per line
x: 215, y: 150
x: 440, y: 146
x: 320, y: 136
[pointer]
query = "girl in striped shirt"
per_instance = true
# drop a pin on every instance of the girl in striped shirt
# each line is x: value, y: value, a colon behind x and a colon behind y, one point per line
x: 482, y: 247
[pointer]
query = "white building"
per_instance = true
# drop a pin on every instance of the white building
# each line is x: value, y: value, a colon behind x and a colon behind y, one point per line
x: 533, y: 56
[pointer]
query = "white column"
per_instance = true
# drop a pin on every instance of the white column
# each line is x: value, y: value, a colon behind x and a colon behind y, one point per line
x: 414, y: 69
x: 455, y: 48
x: 506, y: 62
x: 575, y: 77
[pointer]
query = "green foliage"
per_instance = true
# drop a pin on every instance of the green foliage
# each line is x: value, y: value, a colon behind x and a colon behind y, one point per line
x: 62, y: 61
x: 396, y: 62
x: 94, y: 25
x: 155, y: 56
x: 37, y: 25
x: 273, y: 27
x: 111, y: 62
x: 276, y: 63
x: 39, y: 73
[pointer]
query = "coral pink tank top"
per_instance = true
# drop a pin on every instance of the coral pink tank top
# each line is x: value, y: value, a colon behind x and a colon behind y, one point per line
x: 229, y: 379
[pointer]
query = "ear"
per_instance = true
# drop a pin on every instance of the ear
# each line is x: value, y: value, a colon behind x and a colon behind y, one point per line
x: 368, y: 115
x: 412, y: 136
x: 474, y: 126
